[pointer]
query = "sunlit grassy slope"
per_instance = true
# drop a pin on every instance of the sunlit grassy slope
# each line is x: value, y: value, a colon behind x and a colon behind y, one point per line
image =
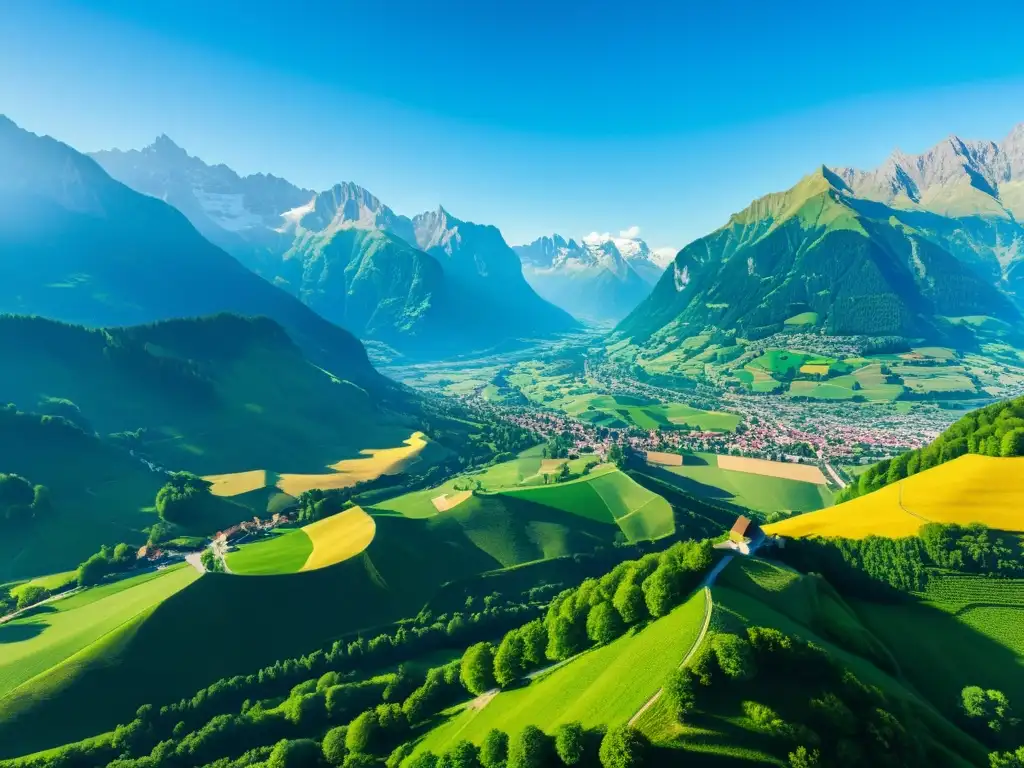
x: 605, y: 686
x: 47, y: 636
x: 969, y: 489
x: 607, y: 497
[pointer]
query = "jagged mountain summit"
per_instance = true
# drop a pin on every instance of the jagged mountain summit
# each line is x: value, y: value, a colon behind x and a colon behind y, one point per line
x: 429, y: 285
x: 78, y: 246
x: 978, y: 186
x: 862, y: 267
x: 597, y: 278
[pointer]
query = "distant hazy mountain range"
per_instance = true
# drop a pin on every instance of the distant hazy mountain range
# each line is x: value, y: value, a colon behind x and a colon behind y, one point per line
x: 78, y: 246
x: 428, y: 285
x: 928, y: 246
x: 597, y: 278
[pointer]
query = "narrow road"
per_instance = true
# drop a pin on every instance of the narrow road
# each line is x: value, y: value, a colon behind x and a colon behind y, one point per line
x: 59, y: 596
x: 708, y: 606
x: 195, y: 559
x: 835, y: 476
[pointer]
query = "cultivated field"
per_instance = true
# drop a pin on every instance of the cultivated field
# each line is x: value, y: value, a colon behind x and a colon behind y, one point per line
x: 348, y: 472
x: 317, y: 545
x: 339, y: 537
x: 528, y: 469
x: 51, y: 634
x: 610, y: 497
x: 237, y: 483
x: 447, y: 501
x: 970, y: 489
x: 604, y: 686
x: 702, y: 474
x: 282, y: 551
x: 805, y: 473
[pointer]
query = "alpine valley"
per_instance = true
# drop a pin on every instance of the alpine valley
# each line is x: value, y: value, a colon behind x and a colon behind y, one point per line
x: 753, y: 503
x: 424, y: 286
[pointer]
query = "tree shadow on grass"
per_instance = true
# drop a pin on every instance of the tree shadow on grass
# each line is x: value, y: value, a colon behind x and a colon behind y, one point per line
x: 17, y: 633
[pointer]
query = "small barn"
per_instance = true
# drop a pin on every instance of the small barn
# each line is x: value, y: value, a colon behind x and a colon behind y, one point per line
x: 745, y: 531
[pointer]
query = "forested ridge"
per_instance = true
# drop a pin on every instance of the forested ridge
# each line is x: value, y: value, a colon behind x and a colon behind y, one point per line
x: 995, y: 430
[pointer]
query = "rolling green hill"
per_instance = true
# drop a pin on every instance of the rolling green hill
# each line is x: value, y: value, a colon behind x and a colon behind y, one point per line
x: 701, y: 476
x: 406, y: 563
x: 199, y: 391
x: 606, y: 497
x: 601, y: 687
x: 99, y: 494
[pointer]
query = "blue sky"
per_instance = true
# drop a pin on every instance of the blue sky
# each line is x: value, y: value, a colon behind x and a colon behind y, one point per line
x: 534, y: 116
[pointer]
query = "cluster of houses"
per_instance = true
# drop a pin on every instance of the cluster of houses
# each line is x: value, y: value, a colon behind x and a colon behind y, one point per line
x: 247, y: 528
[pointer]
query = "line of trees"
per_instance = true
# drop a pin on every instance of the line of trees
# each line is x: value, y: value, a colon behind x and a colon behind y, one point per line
x: 816, y: 711
x: 242, y: 720
x: 875, y: 565
x: 996, y: 430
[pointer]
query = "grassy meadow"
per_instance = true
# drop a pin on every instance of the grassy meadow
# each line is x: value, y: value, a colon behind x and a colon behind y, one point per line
x: 41, y: 640
x: 607, y: 497
x: 603, y: 686
x: 284, y: 550
x: 701, y: 475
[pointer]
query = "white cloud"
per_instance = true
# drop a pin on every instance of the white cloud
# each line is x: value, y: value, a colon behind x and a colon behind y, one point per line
x: 631, y: 234
x: 664, y: 256
x: 598, y: 237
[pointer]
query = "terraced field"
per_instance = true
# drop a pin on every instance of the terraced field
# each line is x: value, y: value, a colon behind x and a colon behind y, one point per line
x: 604, y: 686
x: 969, y: 489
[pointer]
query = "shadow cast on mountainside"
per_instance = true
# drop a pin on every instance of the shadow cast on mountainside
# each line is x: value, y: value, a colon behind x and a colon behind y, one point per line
x: 939, y: 654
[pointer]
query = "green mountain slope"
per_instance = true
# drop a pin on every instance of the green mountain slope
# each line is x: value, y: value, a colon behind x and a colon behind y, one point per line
x: 77, y: 246
x: 816, y: 248
x: 213, y: 395
x: 345, y: 253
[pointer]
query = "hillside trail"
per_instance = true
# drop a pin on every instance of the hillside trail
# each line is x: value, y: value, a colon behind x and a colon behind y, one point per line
x: 708, y: 606
x: 52, y: 598
x: 904, y: 506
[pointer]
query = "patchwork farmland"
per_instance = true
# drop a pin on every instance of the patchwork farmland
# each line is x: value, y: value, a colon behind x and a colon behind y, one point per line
x: 757, y: 484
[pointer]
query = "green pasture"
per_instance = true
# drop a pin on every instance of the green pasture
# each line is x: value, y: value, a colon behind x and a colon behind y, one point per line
x: 604, y: 686
x: 804, y: 318
x: 47, y: 636
x: 701, y: 476
x: 611, y: 497
x: 282, y: 551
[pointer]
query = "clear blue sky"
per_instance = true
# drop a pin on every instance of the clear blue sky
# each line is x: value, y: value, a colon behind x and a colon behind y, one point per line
x: 535, y: 115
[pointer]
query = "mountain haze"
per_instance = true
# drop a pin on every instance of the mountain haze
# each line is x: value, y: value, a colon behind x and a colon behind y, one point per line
x: 429, y: 285
x: 78, y: 246
x: 592, y: 278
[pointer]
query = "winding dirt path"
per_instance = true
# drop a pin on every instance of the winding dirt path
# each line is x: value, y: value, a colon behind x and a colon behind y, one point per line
x: 708, y: 606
